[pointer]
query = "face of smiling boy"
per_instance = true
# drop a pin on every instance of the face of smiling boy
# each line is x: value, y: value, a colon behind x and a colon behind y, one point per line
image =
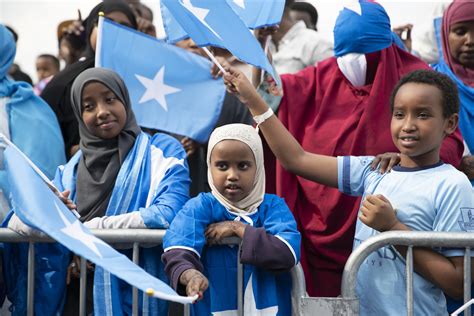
x: 233, y: 169
x: 418, y: 126
x: 102, y: 112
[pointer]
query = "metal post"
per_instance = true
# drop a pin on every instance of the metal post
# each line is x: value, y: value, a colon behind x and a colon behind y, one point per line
x: 82, y: 288
x: 467, y: 280
x: 135, y: 258
x: 31, y: 279
x: 187, y: 310
x: 409, y: 273
x: 240, y: 285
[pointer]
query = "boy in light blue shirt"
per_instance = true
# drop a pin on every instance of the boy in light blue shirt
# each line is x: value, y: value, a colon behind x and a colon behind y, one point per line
x: 421, y: 193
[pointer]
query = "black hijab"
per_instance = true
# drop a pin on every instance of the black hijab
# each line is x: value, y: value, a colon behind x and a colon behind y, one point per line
x: 58, y: 91
x: 101, y: 158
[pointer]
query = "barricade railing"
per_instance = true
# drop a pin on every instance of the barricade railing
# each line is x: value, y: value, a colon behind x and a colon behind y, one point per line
x: 348, y: 303
x: 136, y: 238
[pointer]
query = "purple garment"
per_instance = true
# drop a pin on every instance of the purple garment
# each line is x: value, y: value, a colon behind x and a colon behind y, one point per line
x: 258, y: 249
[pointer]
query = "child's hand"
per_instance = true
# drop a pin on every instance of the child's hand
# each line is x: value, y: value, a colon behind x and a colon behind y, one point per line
x: 238, y: 84
x: 216, y: 72
x: 377, y: 212
x: 189, y: 145
x: 217, y: 231
x: 64, y: 198
x: 195, y: 282
x: 385, y: 162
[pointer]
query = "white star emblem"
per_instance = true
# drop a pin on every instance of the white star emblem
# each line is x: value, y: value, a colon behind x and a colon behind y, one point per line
x: 156, y: 89
x: 75, y: 231
x: 240, y: 3
x: 250, y: 306
x: 353, y: 5
x: 199, y: 13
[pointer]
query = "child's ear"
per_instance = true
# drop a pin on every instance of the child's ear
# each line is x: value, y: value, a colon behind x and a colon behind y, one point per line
x: 451, y: 124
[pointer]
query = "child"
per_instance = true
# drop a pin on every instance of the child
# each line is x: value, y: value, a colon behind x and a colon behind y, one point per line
x: 237, y: 206
x: 120, y: 178
x: 46, y: 67
x: 421, y: 194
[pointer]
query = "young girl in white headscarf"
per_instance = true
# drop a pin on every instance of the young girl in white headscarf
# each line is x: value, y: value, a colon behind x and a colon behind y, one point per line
x: 237, y: 206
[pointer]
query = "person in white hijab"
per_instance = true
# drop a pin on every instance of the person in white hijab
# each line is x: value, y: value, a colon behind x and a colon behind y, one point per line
x: 237, y: 206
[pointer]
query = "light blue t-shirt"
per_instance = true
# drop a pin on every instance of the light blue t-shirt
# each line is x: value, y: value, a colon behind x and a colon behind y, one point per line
x: 435, y: 198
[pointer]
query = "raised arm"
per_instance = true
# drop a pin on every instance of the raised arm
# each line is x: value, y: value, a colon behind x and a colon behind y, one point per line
x: 318, y: 168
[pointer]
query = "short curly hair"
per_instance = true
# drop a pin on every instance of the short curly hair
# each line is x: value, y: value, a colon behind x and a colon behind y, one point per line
x: 448, y: 88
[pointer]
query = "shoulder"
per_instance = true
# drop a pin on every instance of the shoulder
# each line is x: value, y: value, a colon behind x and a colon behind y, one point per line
x: 272, y: 203
x: 202, y: 205
x: 450, y: 177
x: 168, y: 145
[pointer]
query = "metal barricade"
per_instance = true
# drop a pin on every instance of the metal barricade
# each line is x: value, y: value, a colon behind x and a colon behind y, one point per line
x: 348, y: 303
x: 137, y: 237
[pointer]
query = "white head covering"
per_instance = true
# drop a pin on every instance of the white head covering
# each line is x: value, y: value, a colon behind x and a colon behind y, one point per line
x: 247, y: 135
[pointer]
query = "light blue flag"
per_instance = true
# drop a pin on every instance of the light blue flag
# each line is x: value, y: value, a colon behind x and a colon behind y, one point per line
x: 37, y: 206
x: 254, y: 13
x: 214, y: 23
x: 258, y: 13
x: 174, y: 32
x: 171, y: 89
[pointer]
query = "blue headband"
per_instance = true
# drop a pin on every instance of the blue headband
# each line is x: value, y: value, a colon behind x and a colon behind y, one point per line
x: 362, y: 33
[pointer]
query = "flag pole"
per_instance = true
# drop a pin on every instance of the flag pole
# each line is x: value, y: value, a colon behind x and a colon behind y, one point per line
x: 48, y: 182
x: 98, y: 50
x: 265, y: 49
x: 214, y: 60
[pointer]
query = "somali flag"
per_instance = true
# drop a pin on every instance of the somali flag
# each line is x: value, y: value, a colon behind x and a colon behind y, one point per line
x: 214, y: 23
x: 171, y: 89
x: 254, y: 13
x: 37, y: 206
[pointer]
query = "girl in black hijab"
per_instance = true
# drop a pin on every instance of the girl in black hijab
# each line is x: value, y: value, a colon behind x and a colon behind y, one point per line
x: 58, y: 91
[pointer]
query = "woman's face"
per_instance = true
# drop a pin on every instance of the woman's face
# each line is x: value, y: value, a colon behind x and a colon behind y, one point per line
x: 116, y: 16
x: 461, y: 43
x: 102, y: 112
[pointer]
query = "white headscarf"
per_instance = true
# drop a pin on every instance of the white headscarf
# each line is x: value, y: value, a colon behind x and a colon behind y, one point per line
x: 247, y: 135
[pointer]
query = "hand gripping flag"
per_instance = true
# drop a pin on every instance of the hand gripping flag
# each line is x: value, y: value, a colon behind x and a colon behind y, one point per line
x: 214, y: 23
x: 37, y: 206
x: 170, y: 89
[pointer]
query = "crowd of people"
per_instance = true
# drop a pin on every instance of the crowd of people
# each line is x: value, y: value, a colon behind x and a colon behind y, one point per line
x: 362, y: 137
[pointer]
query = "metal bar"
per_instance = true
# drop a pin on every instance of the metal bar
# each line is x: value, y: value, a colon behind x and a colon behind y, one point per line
x: 240, y: 285
x: 187, y: 310
x: 30, y: 307
x: 467, y: 280
x: 135, y: 258
x: 423, y: 239
x: 409, y: 274
x: 298, y: 289
x: 83, y: 287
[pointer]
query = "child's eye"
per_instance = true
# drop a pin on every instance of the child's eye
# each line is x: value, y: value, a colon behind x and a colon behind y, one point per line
x: 87, y: 106
x: 244, y: 165
x: 221, y: 166
x: 460, y: 31
x: 110, y: 99
x: 424, y: 115
x: 398, y: 115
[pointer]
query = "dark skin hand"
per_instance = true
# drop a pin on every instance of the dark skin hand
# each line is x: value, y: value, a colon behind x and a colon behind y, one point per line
x: 467, y: 166
x: 195, y: 282
x: 74, y: 269
x: 385, y: 162
x: 217, y: 231
x: 404, y: 32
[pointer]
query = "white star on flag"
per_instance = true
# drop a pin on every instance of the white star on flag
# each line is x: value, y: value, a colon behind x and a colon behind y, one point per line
x: 353, y: 5
x: 156, y: 88
x: 199, y: 13
x: 240, y: 3
x: 75, y: 231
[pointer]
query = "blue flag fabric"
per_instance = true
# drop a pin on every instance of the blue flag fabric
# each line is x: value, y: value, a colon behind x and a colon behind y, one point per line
x: 362, y: 27
x: 174, y: 32
x: 254, y: 13
x: 171, y: 89
x: 258, y: 13
x: 214, y: 23
x: 37, y: 206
